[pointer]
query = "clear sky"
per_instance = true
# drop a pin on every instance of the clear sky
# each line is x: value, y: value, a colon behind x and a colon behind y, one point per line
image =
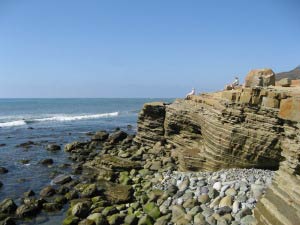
x: 141, y: 48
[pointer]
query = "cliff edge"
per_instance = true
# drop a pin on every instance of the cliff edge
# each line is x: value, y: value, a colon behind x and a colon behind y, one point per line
x: 243, y: 128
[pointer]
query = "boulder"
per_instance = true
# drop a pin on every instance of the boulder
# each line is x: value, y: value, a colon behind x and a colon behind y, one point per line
x: 46, y: 161
x: 53, y: 147
x: 8, y: 221
x: 8, y: 206
x: 98, y: 218
x: 71, y: 220
x: 81, y: 209
x: 260, y: 77
x: 150, y: 124
x: 100, y: 136
x: 117, y: 136
x: 27, y: 210
x: 62, y: 179
x: 47, y: 191
x: 152, y: 210
x: 3, y: 170
x: 285, y: 82
x: 74, y: 145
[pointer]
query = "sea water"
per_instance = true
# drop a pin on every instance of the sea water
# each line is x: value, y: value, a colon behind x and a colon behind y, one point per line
x: 59, y: 121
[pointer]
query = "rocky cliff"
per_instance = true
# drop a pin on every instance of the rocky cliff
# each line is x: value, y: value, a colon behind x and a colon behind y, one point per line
x: 248, y: 127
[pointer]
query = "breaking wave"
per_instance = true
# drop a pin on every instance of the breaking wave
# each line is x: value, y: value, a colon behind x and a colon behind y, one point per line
x: 58, y: 118
x: 13, y: 123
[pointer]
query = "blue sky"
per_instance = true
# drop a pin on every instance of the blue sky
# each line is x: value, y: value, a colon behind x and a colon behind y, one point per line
x: 157, y: 48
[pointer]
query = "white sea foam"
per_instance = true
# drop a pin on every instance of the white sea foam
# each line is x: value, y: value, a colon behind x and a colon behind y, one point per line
x: 81, y: 117
x: 13, y: 123
x: 58, y: 118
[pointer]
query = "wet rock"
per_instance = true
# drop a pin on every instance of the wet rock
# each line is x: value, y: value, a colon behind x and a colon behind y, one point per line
x: 29, y: 193
x: 73, y: 146
x: 8, y: 206
x: 71, y: 220
x: 51, y: 207
x: 145, y: 220
x: 27, y: 210
x: 117, y: 136
x: 131, y: 220
x: 53, y: 147
x: 89, y: 191
x: 152, y: 210
x: 98, y: 218
x: 81, y: 209
x: 73, y: 194
x: 46, y: 162
x: 27, y: 144
x: 62, y: 179
x: 47, y: 191
x: 115, y: 219
x: 8, y: 221
x: 100, y: 136
x: 3, y: 170
x: 24, y: 161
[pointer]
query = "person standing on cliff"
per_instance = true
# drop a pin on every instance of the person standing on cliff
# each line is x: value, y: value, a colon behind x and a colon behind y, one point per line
x: 193, y: 92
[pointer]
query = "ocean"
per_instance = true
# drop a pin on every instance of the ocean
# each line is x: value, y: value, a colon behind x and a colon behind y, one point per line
x: 59, y: 121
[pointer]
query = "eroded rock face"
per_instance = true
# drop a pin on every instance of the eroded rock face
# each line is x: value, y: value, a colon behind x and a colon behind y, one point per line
x: 249, y: 127
x: 260, y: 77
x: 151, y: 124
x: 281, y: 204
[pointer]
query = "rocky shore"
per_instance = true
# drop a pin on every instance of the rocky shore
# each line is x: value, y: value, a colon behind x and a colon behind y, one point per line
x: 229, y: 157
x: 121, y: 182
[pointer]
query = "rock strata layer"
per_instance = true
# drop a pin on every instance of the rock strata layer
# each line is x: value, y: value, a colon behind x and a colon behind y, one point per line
x: 244, y: 128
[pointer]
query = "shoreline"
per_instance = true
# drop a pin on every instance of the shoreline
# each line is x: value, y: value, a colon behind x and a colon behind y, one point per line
x: 111, y: 189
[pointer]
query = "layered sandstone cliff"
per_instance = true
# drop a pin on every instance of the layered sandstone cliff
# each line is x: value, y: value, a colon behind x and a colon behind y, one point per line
x: 248, y: 127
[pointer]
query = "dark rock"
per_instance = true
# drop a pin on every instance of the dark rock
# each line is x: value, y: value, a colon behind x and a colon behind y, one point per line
x: 8, y: 206
x: 117, y: 137
x: 24, y: 161
x: 51, y: 207
x: 74, y: 145
x: 1, y: 184
x: 8, y: 221
x: 53, y: 147
x: 100, y: 136
x: 3, y: 170
x: 60, y: 200
x: 81, y: 209
x: 73, y: 194
x: 27, y: 144
x: 115, y: 193
x: 47, y: 191
x: 27, y: 210
x: 29, y: 193
x: 86, y: 222
x: 2, y: 145
x: 46, y: 161
x: 71, y: 220
x: 89, y: 191
x: 63, y: 190
x: 62, y: 179
x: 224, y: 210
